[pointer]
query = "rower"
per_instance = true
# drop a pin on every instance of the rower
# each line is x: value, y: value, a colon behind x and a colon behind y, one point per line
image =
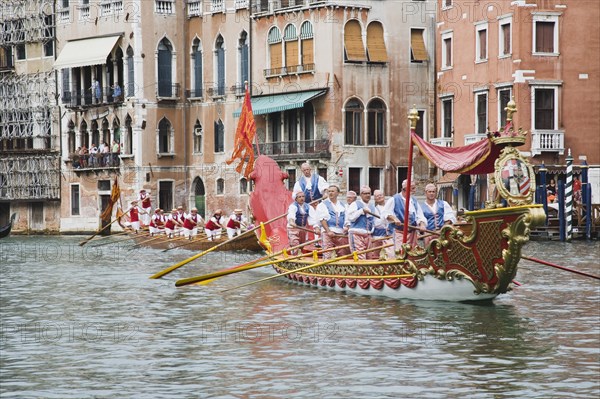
x: 360, y: 214
x: 146, y: 205
x: 394, y: 212
x: 381, y: 230
x: 331, y: 214
x: 437, y: 212
x: 190, y: 224
x: 157, y: 222
x: 170, y: 224
x: 311, y: 184
x: 134, y: 216
x: 235, y: 223
x: 300, y: 216
x: 214, y: 225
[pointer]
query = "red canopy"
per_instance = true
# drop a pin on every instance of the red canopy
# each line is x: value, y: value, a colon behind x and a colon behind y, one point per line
x: 473, y: 159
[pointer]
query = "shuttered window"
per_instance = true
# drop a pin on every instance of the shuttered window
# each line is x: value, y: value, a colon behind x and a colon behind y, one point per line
x: 375, y: 43
x: 482, y: 40
x: 275, y: 49
x: 307, y: 52
x: 481, y: 112
x: 544, y: 37
x: 306, y: 43
x: 505, y: 40
x: 417, y: 46
x: 291, y: 54
x: 353, y: 44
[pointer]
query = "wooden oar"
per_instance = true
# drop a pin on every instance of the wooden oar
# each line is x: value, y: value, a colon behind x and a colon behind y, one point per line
x: 246, y: 266
x: 559, y: 267
x: 193, y: 241
x: 82, y: 243
x: 184, y: 262
x: 325, y: 262
x: 144, y: 235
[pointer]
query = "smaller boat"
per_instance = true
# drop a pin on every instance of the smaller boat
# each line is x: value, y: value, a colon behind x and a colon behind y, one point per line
x: 5, y: 230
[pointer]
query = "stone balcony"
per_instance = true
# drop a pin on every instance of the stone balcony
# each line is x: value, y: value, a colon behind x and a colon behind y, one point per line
x: 547, y: 141
x: 473, y: 138
x: 442, y: 141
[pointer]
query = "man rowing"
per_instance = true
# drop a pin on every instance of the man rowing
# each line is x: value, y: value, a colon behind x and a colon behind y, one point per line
x: 300, y: 217
x: 311, y: 184
x: 394, y: 213
x: 437, y: 212
x: 360, y: 215
x: 331, y: 214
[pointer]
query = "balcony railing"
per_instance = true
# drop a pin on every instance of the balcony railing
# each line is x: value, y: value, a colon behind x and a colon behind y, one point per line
x: 218, y: 90
x: 239, y: 4
x: 296, y: 147
x: 95, y: 161
x: 289, y: 70
x: 194, y: 7
x: 217, y: 6
x: 195, y: 93
x: 167, y: 91
x: 442, y: 141
x: 473, y: 138
x: 547, y: 141
x: 164, y: 7
x: 81, y: 98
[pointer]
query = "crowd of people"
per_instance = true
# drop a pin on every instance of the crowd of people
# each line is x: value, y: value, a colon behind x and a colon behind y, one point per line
x: 96, y: 156
x: 363, y: 224
x: 178, y: 223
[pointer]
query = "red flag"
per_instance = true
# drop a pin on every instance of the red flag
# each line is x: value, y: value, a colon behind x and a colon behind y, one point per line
x: 244, y: 135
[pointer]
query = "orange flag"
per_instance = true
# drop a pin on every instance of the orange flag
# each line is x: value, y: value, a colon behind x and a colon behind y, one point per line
x: 244, y: 135
x: 115, y: 194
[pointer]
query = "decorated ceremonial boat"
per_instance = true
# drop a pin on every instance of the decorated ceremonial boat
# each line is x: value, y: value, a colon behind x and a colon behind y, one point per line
x: 471, y: 261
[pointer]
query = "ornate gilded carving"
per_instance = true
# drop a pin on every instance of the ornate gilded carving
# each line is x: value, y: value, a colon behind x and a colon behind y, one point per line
x: 514, y: 178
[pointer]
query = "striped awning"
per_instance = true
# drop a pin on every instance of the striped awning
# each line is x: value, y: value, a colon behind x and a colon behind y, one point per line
x: 281, y: 102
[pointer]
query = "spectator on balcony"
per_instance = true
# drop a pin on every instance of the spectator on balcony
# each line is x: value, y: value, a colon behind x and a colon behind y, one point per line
x: 311, y: 184
x: 92, y: 156
x: 105, y: 154
x: 83, y: 156
x: 116, y: 92
x: 96, y: 91
x: 116, y: 149
x: 76, y: 158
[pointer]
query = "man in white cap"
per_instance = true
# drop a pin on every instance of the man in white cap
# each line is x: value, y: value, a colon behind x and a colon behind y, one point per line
x: 331, y: 214
x: 437, y: 212
x: 236, y: 221
x: 157, y: 222
x: 300, y: 217
x: 134, y: 215
x: 381, y: 230
x: 311, y: 184
x: 191, y: 223
x: 213, y: 227
x: 360, y: 215
x: 394, y: 213
x: 146, y: 205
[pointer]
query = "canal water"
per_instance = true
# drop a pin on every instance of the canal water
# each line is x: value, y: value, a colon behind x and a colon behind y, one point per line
x: 83, y: 322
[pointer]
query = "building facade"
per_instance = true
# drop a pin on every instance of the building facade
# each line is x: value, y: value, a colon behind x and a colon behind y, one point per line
x: 532, y: 51
x: 332, y: 83
x: 29, y: 132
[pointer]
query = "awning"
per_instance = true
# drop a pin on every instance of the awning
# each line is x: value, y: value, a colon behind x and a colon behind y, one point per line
x: 85, y: 52
x: 281, y: 102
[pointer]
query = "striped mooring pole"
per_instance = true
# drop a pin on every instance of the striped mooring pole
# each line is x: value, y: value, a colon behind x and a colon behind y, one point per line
x: 569, y: 197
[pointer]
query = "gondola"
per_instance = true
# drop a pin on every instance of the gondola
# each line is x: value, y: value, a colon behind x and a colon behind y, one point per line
x: 5, y: 230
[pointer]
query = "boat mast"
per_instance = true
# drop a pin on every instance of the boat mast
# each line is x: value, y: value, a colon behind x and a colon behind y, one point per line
x: 413, y: 117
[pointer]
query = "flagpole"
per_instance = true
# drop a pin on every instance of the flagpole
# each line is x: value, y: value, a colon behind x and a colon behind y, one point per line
x: 413, y: 117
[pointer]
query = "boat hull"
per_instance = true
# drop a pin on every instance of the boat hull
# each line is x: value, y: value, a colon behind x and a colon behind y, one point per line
x: 475, y: 261
x: 248, y: 243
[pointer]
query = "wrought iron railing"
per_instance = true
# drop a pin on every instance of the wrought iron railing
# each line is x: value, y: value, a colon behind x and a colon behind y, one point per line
x: 168, y: 91
x: 320, y: 146
x: 81, y: 98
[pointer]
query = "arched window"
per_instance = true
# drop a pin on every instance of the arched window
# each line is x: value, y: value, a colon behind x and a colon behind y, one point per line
x: 165, y: 135
x: 306, y: 47
x: 128, y: 145
x: 198, y: 137
x: 71, y: 134
x: 118, y: 75
x: 274, y: 41
x: 196, y: 68
x: 244, y: 63
x: 354, y: 50
x: 290, y: 38
x: 220, y: 186
x: 243, y: 186
x: 219, y: 136
x: 95, y: 133
x: 130, y: 73
x: 165, y: 66
x: 85, y: 136
x: 105, y: 132
x: 199, y: 196
x: 220, y: 62
x: 116, y: 126
x: 376, y: 123
x: 375, y: 43
x: 354, y: 122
